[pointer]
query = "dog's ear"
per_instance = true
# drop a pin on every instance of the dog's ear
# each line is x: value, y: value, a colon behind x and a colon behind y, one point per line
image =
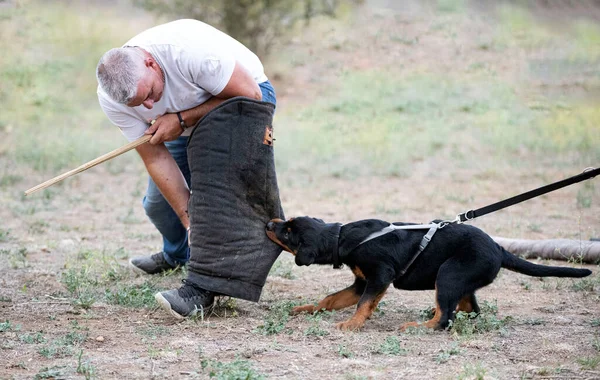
x: 319, y: 220
x: 306, y: 255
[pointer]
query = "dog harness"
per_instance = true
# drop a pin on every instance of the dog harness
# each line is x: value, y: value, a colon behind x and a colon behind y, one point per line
x: 433, y: 227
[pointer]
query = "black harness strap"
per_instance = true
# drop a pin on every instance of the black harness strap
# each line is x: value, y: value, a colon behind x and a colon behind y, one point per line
x: 422, y: 245
x: 472, y: 214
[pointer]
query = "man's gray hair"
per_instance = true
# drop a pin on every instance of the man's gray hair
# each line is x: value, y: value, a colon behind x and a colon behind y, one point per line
x: 119, y: 72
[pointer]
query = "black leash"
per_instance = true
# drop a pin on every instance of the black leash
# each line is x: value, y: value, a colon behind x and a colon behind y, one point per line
x: 472, y: 214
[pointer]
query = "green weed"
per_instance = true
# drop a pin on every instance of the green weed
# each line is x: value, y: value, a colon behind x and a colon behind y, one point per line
x: 315, y: 328
x: 343, y: 351
x: 276, y: 318
x: 85, y: 368
x: 55, y: 372
x: 391, y: 346
x: 32, y: 338
x: 589, y: 363
x: 472, y: 371
x: 467, y: 324
x: 445, y: 355
x: 282, y: 268
x: 4, y: 235
x: 135, y: 296
x: 238, y: 369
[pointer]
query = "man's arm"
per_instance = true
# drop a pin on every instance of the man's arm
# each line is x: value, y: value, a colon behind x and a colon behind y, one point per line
x: 168, y: 178
x: 241, y: 83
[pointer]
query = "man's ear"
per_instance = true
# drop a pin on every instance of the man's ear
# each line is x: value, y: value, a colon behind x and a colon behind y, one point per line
x: 306, y: 256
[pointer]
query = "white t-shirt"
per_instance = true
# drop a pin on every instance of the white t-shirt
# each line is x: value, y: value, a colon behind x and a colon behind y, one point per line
x: 197, y: 60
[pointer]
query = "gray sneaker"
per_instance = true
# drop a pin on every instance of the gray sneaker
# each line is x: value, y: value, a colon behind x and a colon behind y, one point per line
x: 151, y: 264
x: 186, y: 301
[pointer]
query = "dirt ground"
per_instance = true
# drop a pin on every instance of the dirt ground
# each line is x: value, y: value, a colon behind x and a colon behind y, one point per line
x: 545, y: 328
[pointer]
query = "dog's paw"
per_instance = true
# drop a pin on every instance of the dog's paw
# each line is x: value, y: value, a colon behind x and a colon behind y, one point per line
x: 407, y: 325
x: 350, y: 325
x: 303, y: 309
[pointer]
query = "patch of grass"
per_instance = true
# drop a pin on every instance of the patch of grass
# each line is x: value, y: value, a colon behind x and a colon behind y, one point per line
x: 283, y: 269
x: 391, y: 346
x: 7, y: 326
x: 237, y: 369
x: 315, y: 328
x: 343, y: 351
x: 586, y: 284
x: 472, y: 371
x: 80, y: 282
x: 589, y: 363
x: 467, y: 324
x: 445, y: 355
x: 4, y: 235
x: 17, y: 257
x: 276, y: 318
x: 134, y: 296
x: 55, y: 372
x: 85, y: 368
x: 32, y: 338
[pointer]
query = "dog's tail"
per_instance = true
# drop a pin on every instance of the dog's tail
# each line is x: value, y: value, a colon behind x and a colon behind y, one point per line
x: 516, y: 264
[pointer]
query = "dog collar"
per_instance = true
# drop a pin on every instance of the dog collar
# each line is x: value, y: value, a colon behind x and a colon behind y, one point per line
x: 337, y: 262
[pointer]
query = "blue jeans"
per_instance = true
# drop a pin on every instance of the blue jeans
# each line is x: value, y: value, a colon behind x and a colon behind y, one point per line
x: 160, y: 213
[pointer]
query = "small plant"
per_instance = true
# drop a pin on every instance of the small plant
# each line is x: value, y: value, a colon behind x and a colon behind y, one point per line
x: 473, y: 323
x: 5, y: 326
x: 32, y: 338
x: 238, y: 369
x: 585, y: 284
x: 49, y: 373
x: 277, y: 318
x: 135, y: 296
x: 391, y: 346
x: 85, y: 367
x: 595, y: 322
x: 315, y: 328
x: 472, y: 371
x: 445, y: 355
x: 589, y: 363
x: 282, y: 269
x: 526, y: 285
x: 344, y: 351
x: 4, y: 235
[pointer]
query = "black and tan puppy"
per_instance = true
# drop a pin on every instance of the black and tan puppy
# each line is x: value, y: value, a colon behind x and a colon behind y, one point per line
x: 459, y: 260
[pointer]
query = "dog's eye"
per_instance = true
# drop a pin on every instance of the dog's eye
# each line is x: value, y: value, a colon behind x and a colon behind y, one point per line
x: 286, y: 234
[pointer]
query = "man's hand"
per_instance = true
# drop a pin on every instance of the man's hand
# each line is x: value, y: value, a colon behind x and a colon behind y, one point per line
x: 165, y: 128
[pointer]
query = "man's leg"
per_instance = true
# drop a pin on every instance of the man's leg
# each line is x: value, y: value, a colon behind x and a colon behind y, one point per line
x: 175, y: 246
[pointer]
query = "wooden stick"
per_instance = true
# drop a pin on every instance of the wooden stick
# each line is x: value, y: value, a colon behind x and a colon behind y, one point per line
x: 125, y: 148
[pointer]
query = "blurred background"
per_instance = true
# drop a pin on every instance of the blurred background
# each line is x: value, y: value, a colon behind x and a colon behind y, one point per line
x: 394, y: 109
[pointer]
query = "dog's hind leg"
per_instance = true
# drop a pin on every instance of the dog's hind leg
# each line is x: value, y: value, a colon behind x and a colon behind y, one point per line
x: 366, y: 305
x: 336, y: 301
x: 440, y: 315
x: 468, y: 304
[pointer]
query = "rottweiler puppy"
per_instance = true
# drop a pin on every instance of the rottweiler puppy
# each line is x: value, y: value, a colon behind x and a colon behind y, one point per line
x: 458, y: 260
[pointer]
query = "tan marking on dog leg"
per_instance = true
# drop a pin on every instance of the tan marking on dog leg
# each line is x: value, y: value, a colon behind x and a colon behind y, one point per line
x: 432, y: 323
x: 465, y: 304
x: 363, y: 313
x: 335, y: 301
x: 358, y: 273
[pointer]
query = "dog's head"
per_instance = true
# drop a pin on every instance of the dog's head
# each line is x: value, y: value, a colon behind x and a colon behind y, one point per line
x: 302, y: 236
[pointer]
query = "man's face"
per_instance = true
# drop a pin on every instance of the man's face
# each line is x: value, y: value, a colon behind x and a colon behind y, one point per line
x: 150, y: 87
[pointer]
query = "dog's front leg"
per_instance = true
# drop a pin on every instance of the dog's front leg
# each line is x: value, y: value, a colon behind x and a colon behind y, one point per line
x: 367, y: 304
x: 336, y: 301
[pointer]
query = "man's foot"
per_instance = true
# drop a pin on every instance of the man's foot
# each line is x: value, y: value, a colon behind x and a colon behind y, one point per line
x: 151, y: 264
x: 186, y: 301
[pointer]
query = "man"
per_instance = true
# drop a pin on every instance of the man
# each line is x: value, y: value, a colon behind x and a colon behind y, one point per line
x: 161, y: 82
